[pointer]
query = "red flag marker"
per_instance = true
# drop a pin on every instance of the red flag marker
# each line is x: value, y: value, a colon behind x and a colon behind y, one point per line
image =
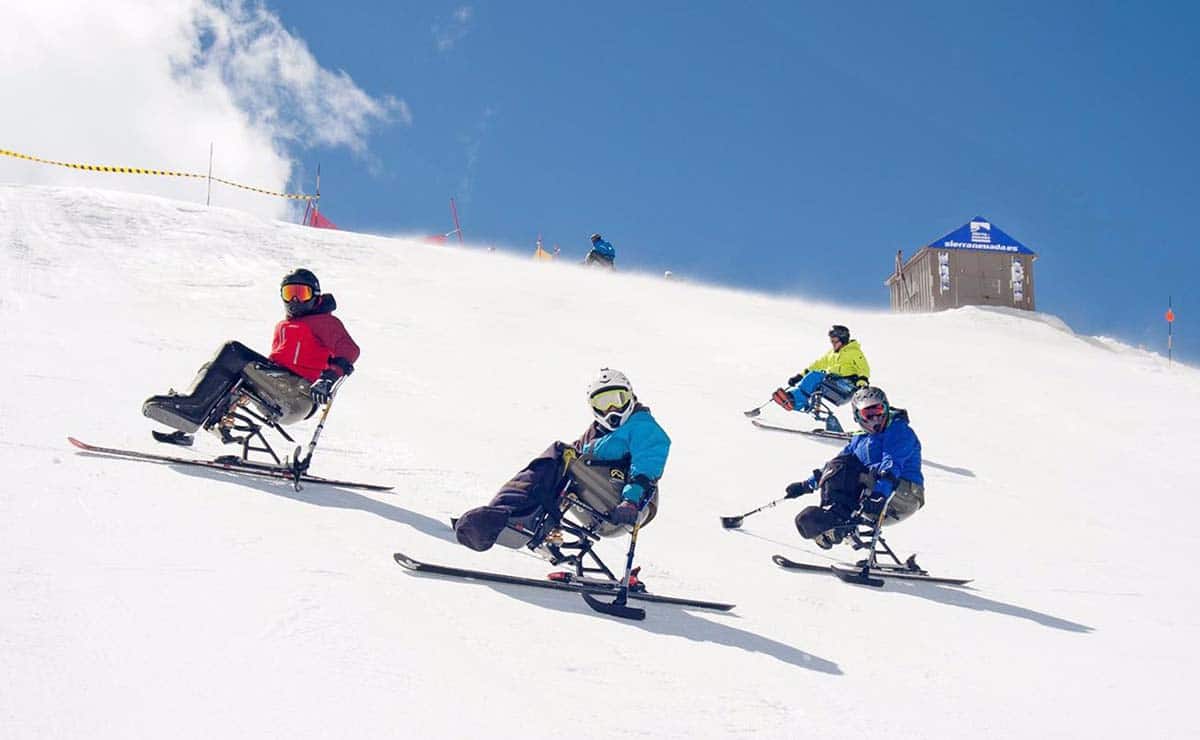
x: 1170, y: 326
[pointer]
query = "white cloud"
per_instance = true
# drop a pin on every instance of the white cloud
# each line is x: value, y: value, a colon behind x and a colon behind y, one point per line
x: 447, y: 37
x: 150, y: 84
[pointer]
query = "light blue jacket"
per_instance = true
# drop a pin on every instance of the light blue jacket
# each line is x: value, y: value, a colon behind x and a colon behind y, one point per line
x: 646, y: 445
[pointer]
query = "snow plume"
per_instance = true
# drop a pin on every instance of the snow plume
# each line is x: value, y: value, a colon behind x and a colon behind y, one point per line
x: 447, y: 36
x: 150, y: 85
x: 473, y: 143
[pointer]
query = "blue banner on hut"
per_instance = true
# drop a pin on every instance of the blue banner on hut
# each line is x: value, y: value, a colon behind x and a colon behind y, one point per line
x: 980, y: 234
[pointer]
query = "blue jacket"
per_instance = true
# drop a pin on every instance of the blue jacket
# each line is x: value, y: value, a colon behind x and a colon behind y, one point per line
x: 895, y: 451
x: 646, y: 445
x: 604, y: 249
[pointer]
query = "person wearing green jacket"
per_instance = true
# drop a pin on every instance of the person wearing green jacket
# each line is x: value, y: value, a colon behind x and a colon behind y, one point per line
x: 836, y: 374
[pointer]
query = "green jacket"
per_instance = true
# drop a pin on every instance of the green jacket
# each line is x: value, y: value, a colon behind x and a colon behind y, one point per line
x: 847, y: 361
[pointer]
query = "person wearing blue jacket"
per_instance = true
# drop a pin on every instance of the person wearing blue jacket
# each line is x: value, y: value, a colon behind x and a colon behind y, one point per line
x: 602, y: 254
x: 614, y: 467
x: 876, y: 477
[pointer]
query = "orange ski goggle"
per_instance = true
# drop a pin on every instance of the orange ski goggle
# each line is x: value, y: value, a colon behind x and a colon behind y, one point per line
x: 296, y: 292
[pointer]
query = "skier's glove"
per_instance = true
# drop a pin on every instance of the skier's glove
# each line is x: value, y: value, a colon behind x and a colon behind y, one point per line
x: 783, y: 398
x: 626, y: 513
x: 872, y: 505
x: 322, y: 390
x: 796, y: 490
x: 795, y: 379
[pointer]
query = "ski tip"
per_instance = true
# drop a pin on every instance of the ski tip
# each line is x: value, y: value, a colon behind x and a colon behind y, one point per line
x: 406, y: 561
x: 77, y: 443
x: 788, y: 563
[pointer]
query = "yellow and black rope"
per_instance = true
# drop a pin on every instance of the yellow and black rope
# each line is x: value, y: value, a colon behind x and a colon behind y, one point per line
x: 144, y: 171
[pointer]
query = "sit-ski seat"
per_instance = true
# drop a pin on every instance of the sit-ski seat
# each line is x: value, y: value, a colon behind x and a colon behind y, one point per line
x: 591, y: 488
x: 834, y: 392
x: 279, y: 395
x: 599, y: 485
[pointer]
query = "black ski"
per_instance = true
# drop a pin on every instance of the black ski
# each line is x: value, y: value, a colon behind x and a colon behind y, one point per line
x: 852, y: 573
x: 573, y: 587
x: 234, y: 466
x: 822, y: 433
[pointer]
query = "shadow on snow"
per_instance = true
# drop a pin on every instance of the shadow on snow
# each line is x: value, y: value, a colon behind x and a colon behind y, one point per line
x: 666, y: 619
x: 320, y: 494
x: 968, y: 598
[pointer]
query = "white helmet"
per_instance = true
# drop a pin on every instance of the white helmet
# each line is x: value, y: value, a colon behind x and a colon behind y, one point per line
x: 611, y: 398
x: 871, y: 409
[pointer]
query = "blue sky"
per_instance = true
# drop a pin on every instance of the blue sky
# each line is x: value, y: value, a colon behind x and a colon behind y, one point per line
x: 782, y: 146
x: 789, y: 146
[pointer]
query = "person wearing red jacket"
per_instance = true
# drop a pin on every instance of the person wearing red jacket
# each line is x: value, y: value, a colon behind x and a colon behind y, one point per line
x: 310, y: 350
x: 311, y: 341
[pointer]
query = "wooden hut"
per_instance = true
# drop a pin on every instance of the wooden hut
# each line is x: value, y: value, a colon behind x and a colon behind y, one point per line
x: 975, y: 265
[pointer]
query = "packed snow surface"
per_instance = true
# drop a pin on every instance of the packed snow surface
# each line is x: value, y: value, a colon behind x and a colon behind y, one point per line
x: 141, y: 600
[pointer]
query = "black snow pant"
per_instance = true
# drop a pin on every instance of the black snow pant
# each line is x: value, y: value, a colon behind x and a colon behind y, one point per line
x: 193, y: 409
x: 533, y: 490
x: 842, y: 481
x: 906, y: 499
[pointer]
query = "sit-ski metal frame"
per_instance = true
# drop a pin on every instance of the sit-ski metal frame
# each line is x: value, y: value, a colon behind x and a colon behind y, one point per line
x: 579, y: 552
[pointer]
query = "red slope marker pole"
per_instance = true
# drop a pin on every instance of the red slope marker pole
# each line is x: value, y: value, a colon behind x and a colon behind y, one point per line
x: 1170, y: 326
x: 316, y: 202
x: 454, y: 214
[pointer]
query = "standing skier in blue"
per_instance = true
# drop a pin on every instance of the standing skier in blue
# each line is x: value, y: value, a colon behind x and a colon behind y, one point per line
x: 603, y: 254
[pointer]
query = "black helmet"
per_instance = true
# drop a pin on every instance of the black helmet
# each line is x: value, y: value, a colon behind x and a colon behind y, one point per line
x: 296, y: 306
x: 302, y: 277
x: 840, y: 333
x: 595, y: 238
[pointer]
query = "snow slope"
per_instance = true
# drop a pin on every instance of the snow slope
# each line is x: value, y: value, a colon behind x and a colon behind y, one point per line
x: 149, y: 601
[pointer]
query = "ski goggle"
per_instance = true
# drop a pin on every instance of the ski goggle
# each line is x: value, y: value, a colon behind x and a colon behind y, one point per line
x: 871, y: 413
x: 296, y: 292
x: 611, y: 399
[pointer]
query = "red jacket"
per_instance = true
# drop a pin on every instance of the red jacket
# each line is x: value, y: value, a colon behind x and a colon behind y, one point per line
x: 306, y: 344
